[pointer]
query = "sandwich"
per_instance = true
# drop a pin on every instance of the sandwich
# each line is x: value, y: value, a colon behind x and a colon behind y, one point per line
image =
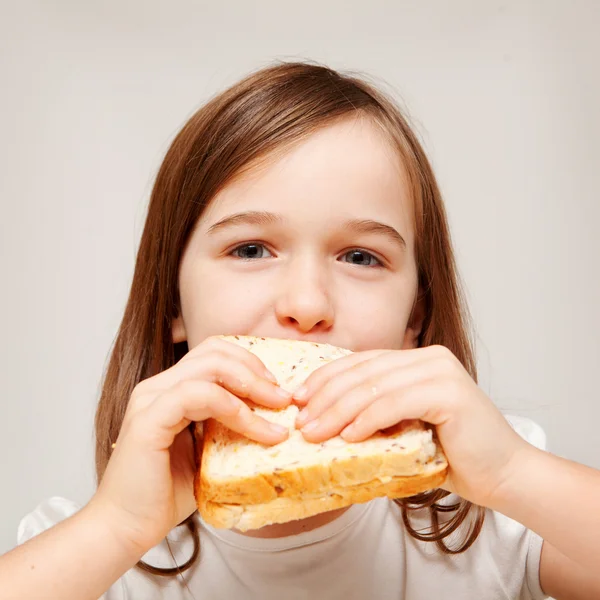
x: 242, y: 484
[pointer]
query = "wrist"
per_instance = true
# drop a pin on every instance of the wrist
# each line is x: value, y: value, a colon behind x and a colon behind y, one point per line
x: 127, y: 541
x: 516, y: 482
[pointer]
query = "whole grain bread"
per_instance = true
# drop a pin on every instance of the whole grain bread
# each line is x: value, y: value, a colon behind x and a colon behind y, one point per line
x: 247, y: 485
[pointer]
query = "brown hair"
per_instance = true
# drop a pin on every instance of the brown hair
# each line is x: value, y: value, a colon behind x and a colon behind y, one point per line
x: 251, y: 121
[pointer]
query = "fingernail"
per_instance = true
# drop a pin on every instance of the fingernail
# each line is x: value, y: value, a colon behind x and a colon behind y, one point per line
x: 310, y: 426
x: 300, y: 392
x: 302, y: 416
x: 278, y: 429
x: 270, y: 376
x: 284, y: 393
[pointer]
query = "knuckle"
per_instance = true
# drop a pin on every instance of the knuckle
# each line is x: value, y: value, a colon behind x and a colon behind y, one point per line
x: 444, y: 366
x: 342, y: 409
x: 242, y: 382
x: 444, y: 359
x: 140, y: 397
x: 142, y: 388
x: 187, y: 387
x: 316, y: 378
x: 136, y: 395
x: 337, y: 411
x: 225, y: 412
x: 371, y: 388
x: 360, y: 397
x: 213, y: 340
x: 218, y: 365
x: 202, y: 366
x: 245, y: 418
x: 210, y: 357
x: 321, y: 404
x: 439, y: 351
x: 209, y: 346
x: 331, y: 389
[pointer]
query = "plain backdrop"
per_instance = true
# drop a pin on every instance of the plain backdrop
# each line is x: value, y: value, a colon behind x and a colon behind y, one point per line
x: 504, y: 95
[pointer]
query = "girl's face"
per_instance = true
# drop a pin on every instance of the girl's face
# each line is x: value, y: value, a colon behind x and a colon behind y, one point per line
x: 317, y: 245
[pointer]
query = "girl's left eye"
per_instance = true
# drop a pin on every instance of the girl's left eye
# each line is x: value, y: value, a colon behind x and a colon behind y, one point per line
x: 250, y: 251
x: 361, y: 258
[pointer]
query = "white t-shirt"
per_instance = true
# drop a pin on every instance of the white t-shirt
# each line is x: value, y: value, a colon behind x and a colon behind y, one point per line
x: 365, y: 554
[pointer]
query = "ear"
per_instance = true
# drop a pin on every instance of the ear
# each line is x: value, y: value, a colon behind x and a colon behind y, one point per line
x: 415, y: 323
x: 178, y: 330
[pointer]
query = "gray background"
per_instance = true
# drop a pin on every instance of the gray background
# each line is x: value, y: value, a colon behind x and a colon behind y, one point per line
x: 505, y: 96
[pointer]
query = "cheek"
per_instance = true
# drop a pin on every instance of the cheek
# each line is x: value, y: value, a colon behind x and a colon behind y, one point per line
x: 216, y: 303
x: 378, y: 314
x: 381, y: 327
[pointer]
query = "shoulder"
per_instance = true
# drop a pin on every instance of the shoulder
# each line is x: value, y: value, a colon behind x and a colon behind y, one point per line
x: 45, y: 515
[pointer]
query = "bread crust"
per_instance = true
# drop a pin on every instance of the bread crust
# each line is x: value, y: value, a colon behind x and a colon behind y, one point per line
x: 283, y: 510
x: 318, y: 479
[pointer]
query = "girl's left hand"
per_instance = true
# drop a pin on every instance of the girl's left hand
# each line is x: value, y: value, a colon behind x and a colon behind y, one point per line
x: 359, y: 394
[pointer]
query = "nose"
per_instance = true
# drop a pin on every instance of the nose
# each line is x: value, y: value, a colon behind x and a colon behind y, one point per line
x: 304, y: 299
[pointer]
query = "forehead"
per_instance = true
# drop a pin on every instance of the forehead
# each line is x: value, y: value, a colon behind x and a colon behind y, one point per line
x: 345, y: 170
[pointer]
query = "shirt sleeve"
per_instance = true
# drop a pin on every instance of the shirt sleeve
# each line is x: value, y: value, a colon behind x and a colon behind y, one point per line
x: 47, y: 514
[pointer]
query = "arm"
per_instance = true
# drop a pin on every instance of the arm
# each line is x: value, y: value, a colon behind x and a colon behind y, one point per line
x: 80, y: 558
x: 147, y: 488
x: 564, y: 579
x: 560, y: 501
x: 490, y: 464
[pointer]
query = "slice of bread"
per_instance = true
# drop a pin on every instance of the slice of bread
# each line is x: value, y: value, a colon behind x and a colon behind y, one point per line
x: 246, y: 485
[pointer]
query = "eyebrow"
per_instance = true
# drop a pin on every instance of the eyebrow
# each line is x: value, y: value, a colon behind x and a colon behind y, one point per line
x: 370, y: 226
x: 246, y: 218
x: 266, y: 218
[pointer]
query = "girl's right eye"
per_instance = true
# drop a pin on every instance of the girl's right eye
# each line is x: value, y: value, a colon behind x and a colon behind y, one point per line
x: 250, y: 251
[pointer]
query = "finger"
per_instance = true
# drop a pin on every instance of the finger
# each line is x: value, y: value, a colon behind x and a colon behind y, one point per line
x: 338, y: 416
x: 241, y: 380
x: 209, y: 348
x: 216, y: 367
x: 193, y: 400
x: 229, y: 348
x: 338, y: 386
x: 365, y: 375
x: 426, y: 402
x: 350, y: 405
x: 321, y: 376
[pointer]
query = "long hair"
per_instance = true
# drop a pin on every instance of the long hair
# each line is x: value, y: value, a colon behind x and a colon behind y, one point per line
x: 253, y: 120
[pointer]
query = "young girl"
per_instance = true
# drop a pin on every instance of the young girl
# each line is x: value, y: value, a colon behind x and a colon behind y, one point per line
x: 299, y: 204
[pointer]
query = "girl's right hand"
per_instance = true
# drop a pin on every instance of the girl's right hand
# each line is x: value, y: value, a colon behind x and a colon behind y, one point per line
x: 147, y: 488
